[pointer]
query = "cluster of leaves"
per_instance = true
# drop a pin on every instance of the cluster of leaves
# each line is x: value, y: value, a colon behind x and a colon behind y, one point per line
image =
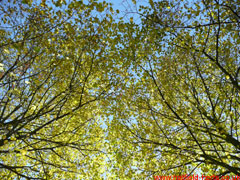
x: 84, y: 96
x: 182, y: 109
x: 55, y: 73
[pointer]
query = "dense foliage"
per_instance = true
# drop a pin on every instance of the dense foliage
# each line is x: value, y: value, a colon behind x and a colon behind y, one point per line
x: 87, y: 95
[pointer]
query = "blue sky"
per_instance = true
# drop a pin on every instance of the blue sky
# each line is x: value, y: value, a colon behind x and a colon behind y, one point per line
x: 127, y: 8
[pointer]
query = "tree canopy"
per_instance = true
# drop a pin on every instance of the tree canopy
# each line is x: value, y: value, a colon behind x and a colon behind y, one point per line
x: 88, y: 94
